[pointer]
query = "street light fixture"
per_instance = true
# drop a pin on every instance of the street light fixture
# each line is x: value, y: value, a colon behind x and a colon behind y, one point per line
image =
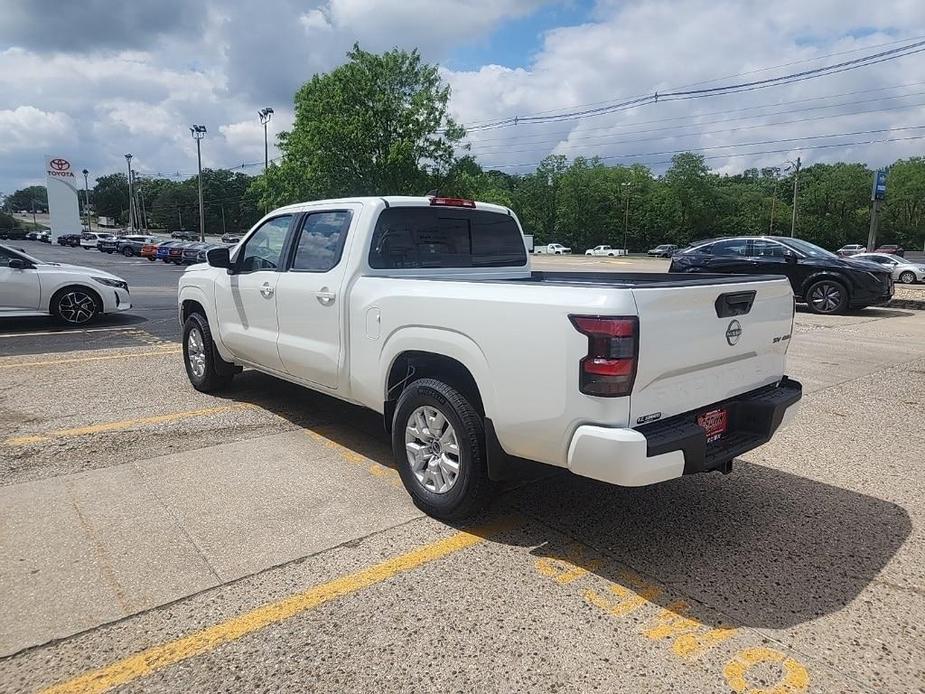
x: 265, y: 114
x: 198, y: 132
x: 87, y: 198
x: 131, y: 208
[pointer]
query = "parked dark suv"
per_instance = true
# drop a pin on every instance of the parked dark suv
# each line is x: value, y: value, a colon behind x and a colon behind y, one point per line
x: 822, y: 280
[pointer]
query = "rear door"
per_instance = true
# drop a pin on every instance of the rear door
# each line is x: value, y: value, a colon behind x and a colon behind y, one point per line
x: 731, y: 256
x: 702, y: 344
x: 246, y: 300
x: 310, y: 298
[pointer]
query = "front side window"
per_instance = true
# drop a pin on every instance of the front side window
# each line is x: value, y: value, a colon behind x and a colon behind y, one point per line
x: 440, y: 237
x: 264, y: 249
x: 321, y: 241
x: 766, y: 249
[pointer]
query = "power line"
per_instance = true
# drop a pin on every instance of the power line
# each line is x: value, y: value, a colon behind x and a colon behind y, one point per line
x: 742, y: 144
x: 686, y: 117
x: 603, y: 141
x: 742, y: 74
x: 678, y: 95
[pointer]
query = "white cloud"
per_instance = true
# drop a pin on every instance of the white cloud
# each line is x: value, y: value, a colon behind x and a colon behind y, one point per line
x: 136, y: 90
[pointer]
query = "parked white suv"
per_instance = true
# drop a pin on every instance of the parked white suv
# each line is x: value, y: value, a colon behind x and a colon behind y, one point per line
x: 73, y: 294
x: 90, y: 239
x: 426, y: 310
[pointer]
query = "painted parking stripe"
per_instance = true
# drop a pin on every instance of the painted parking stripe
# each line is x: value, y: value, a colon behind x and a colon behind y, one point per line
x: 123, y: 424
x: 77, y: 360
x: 197, y: 643
x: 78, y: 331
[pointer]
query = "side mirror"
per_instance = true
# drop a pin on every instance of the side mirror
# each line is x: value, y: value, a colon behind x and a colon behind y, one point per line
x: 17, y: 264
x: 218, y: 257
x: 790, y: 256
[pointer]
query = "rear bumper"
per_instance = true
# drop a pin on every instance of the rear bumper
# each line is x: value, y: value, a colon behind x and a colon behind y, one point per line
x: 677, y: 446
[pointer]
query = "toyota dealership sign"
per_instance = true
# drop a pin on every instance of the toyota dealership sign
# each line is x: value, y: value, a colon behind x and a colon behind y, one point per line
x: 63, y: 205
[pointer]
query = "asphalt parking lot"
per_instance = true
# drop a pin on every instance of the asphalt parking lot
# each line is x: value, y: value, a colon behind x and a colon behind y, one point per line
x: 159, y: 539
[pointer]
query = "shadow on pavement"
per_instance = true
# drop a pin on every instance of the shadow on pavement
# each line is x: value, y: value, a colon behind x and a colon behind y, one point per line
x: 50, y: 324
x: 765, y: 547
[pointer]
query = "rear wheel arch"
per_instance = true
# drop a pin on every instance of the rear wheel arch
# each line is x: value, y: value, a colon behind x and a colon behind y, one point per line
x: 413, y: 365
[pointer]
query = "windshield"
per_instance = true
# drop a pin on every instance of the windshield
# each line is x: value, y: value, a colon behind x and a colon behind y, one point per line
x: 808, y: 249
x: 22, y: 254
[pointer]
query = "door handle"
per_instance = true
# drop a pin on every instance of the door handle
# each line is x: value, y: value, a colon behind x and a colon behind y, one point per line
x: 266, y: 290
x: 325, y: 296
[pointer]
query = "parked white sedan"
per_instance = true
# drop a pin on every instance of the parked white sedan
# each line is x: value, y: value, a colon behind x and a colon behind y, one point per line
x: 904, y: 270
x: 70, y: 293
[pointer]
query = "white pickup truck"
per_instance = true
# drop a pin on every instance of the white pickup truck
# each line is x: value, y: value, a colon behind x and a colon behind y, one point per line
x: 552, y: 249
x: 425, y: 309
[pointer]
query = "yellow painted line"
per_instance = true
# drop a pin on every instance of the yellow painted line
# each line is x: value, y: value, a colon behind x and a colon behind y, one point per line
x: 123, y: 424
x: 167, y: 654
x: 77, y: 360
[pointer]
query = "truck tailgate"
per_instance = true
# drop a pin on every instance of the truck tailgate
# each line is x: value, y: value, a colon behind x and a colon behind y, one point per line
x: 702, y: 344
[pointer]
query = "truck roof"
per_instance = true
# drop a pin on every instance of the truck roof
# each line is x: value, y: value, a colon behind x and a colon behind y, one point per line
x: 388, y: 201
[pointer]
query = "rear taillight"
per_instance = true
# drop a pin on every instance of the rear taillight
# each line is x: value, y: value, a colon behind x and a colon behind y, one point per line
x: 609, y: 369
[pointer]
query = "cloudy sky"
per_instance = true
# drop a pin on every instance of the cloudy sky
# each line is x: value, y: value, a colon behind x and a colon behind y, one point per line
x: 93, y: 80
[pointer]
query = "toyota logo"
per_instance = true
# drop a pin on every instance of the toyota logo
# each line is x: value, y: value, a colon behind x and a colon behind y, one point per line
x: 733, y: 332
x: 60, y: 164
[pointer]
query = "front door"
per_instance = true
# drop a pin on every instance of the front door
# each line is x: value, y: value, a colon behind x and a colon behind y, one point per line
x: 19, y: 288
x: 246, y: 299
x: 310, y: 300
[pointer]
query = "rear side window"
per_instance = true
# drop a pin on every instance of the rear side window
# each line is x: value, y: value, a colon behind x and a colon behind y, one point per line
x: 731, y: 247
x: 321, y: 241
x: 438, y: 237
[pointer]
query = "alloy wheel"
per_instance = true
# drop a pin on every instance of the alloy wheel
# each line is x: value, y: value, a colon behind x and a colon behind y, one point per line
x: 432, y: 449
x: 196, y: 353
x: 77, y: 307
x: 825, y: 297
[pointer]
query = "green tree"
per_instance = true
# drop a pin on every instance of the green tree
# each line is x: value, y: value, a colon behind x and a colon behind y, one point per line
x: 109, y: 197
x: 23, y: 199
x: 903, y: 219
x: 376, y: 125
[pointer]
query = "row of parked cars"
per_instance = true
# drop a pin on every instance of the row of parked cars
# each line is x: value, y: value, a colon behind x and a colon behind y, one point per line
x: 174, y: 250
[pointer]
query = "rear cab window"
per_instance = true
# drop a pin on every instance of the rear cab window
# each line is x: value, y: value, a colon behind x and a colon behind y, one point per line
x: 444, y: 237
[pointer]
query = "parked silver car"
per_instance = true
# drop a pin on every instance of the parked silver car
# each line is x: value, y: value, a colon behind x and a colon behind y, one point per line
x: 904, y: 270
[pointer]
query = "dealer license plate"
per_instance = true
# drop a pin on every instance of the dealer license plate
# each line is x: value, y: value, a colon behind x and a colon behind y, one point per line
x: 714, y: 423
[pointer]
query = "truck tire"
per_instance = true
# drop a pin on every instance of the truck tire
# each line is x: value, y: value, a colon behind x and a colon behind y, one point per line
x: 206, y: 370
x: 827, y: 297
x: 438, y: 440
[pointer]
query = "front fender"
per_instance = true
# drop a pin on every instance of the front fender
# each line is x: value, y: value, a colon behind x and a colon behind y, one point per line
x: 191, y: 292
x: 443, y: 342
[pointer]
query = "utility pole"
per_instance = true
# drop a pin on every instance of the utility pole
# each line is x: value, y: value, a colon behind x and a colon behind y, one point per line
x: 265, y: 114
x: 877, y: 195
x: 87, y: 198
x: 626, y: 213
x: 198, y: 132
x: 131, y: 206
x: 773, y: 203
x: 223, y: 220
x: 180, y: 218
x: 796, y: 192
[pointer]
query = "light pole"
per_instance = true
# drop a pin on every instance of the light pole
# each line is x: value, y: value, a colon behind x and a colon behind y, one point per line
x: 131, y: 208
x: 87, y: 198
x: 198, y: 132
x: 265, y: 115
